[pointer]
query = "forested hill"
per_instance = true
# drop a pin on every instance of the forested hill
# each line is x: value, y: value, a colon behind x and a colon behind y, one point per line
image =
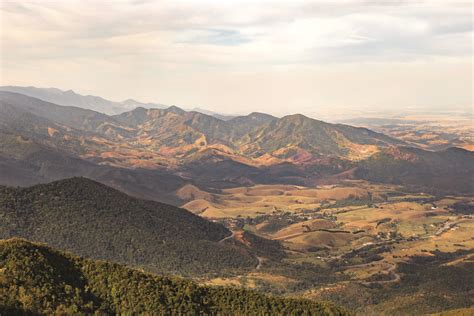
x: 93, y: 220
x: 38, y: 280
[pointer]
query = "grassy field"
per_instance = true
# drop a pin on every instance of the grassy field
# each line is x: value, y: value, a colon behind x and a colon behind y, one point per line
x: 266, y: 199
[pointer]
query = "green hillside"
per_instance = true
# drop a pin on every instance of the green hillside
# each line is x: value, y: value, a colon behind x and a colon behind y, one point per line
x: 96, y: 221
x: 35, y: 279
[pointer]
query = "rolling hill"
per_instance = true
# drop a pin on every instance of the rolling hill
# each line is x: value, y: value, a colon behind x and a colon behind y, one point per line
x: 96, y: 221
x: 35, y: 279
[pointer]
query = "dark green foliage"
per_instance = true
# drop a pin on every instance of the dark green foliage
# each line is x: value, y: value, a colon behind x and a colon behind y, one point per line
x: 369, y: 253
x: 38, y: 280
x: 264, y: 247
x: 275, y: 224
x: 348, y: 202
x: 463, y: 207
x: 95, y: 221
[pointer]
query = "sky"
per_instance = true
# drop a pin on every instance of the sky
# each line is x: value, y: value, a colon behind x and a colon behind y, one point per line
x: 312, y: 57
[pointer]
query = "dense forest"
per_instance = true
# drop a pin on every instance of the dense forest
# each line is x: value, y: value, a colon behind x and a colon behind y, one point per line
x: 35, y: 279
x: 98, y: 222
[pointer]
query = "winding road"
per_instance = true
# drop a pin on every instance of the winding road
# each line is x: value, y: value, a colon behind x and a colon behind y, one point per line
x: 391, y: 271
x: 231, y: 236
x: 259, y: 265
x: 259, y: 259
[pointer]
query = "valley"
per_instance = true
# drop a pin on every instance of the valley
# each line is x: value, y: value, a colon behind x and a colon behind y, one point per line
x: 357, y: 232
x: 362, y: 245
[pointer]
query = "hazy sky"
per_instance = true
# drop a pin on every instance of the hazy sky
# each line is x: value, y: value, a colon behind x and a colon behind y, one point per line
x: 240, y: 56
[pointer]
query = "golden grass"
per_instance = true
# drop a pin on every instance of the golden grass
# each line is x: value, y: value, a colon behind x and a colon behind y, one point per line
x: 299, y: 228
x: 321, y: 239
x: 468, y: 311
x: 265, y: 199
x: 224, y: 282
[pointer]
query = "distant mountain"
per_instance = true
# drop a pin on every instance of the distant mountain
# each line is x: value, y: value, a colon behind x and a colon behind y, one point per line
x: 70, y: 98
x: 192, y: 147
x: 96, y: 221
x: 300, y: 137
x: 215, y: 114
x: 38, y: 280
x: 132, y: 104
x: 253, y: 135
x: 70, y: 116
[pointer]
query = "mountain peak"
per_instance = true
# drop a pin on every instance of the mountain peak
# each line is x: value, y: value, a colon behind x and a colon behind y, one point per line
x: 260, y: 115
x: 297, y: 118
x: 130, y: 102
x: 252, y: 118
x: 139, y: 109
x: 175, y: 109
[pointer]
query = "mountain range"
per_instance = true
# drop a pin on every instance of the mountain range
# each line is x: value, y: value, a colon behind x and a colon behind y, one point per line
x: 151, y: 153
x: 71, y: 98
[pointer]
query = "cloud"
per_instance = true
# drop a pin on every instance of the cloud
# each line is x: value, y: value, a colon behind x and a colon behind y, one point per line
x: 297, y: 29
x: 183, y: 40
x: 215, y: 37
